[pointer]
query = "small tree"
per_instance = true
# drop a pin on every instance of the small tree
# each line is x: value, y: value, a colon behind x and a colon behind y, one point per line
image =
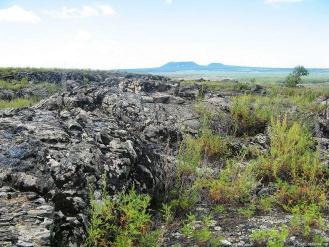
x: 295, y: 77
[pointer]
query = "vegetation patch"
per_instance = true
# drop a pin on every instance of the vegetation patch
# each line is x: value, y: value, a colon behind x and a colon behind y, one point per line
x: 14, y: 85
x: 271, y: 238
x: 208, y: 173
x: 122, y: 221
x: 18, y: 103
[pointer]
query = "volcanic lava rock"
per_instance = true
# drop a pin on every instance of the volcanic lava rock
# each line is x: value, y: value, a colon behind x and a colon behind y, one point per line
x: 125, y: 128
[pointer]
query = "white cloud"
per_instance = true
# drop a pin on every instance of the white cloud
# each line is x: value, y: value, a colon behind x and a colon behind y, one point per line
x: 106, y: 10
x: 276, y: 2
x: 85, y: 11
x: 18, y: 14
x: 169, y: 1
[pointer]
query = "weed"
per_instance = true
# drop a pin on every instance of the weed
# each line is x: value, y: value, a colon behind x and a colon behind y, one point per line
x: 234, y: 185
x: 167, y: 213
x: 188, y: 227
x: 18, y: 103
x: 294, y: 164
x: 184, y: 198
x: 250, y: 113
x: 305, y: 218
x: 219, y: 209
x: 14, y: 85
x: 190, y: 155
x: 122, y: 221
x: 300, y: 192
x: 319, y: 240
x: 212, y: 144
x: 266, y: 204
x: 192, y: 152
x: 272, y: 237
x: 200, y: 231
x: 248, y: 211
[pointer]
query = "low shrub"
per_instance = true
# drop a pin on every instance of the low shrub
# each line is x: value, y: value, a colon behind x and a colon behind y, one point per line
x: 294, y: 164
x: 121, y: 221
x: 234, y: 185
x: 305, y: 218
x: 250, y: 114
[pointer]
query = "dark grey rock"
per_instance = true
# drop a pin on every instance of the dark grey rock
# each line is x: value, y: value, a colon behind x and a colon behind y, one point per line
x: 126, y: 128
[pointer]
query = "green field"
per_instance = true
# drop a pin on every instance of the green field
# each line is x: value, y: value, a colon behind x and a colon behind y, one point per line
x: 259, y: 77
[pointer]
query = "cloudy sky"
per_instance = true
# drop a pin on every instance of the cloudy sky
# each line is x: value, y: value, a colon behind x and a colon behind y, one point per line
x: 109, y: 34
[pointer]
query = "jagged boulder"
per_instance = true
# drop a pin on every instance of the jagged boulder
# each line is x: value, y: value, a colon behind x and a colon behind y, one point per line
x: 126, y: 128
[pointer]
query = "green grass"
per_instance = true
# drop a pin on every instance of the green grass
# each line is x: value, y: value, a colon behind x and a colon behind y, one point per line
x: 194, y: 149
x: 252, y: 113
x: 14, y: 85
x: 24, y: 102
x: 193, y: 152
x: 266, y: 78
x: 50, y: 87
x: 18, y: 103
x: 292, y: 163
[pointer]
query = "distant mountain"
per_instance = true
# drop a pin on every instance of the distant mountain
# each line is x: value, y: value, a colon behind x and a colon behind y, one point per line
x: 179, y: 66
x: 173, y: 67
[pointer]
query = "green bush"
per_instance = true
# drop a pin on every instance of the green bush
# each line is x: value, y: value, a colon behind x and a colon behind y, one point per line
x: 234, y: 185
x: 213, y: 145
x: 251, y: 113
x: 122, y: 221
x: 184, y: 196
x: 248, y: 211
x: 189, y: 156
x: 305, y: 218
x: 266, y: 203
x: 294, y: 164
x: 291, y: 154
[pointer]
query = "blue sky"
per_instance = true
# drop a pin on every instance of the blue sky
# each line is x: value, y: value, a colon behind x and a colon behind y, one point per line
x: 109, y: 34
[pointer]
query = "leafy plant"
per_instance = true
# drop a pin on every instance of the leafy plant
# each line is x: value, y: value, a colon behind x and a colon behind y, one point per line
x: 248, y: 211
x: 167, y: 213
x: 234, y: 185
x: 271, y: 238
x: 201, y: 233
x: 121, y: 221
x: 266, y: 203
x: 294, y: 164
x: 305, y: 218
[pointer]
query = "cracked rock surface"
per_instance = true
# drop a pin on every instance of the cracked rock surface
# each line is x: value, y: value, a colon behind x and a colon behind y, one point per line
x: 127, y: 127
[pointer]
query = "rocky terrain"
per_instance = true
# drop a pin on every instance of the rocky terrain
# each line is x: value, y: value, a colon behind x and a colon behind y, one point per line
x: 125, y: 127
